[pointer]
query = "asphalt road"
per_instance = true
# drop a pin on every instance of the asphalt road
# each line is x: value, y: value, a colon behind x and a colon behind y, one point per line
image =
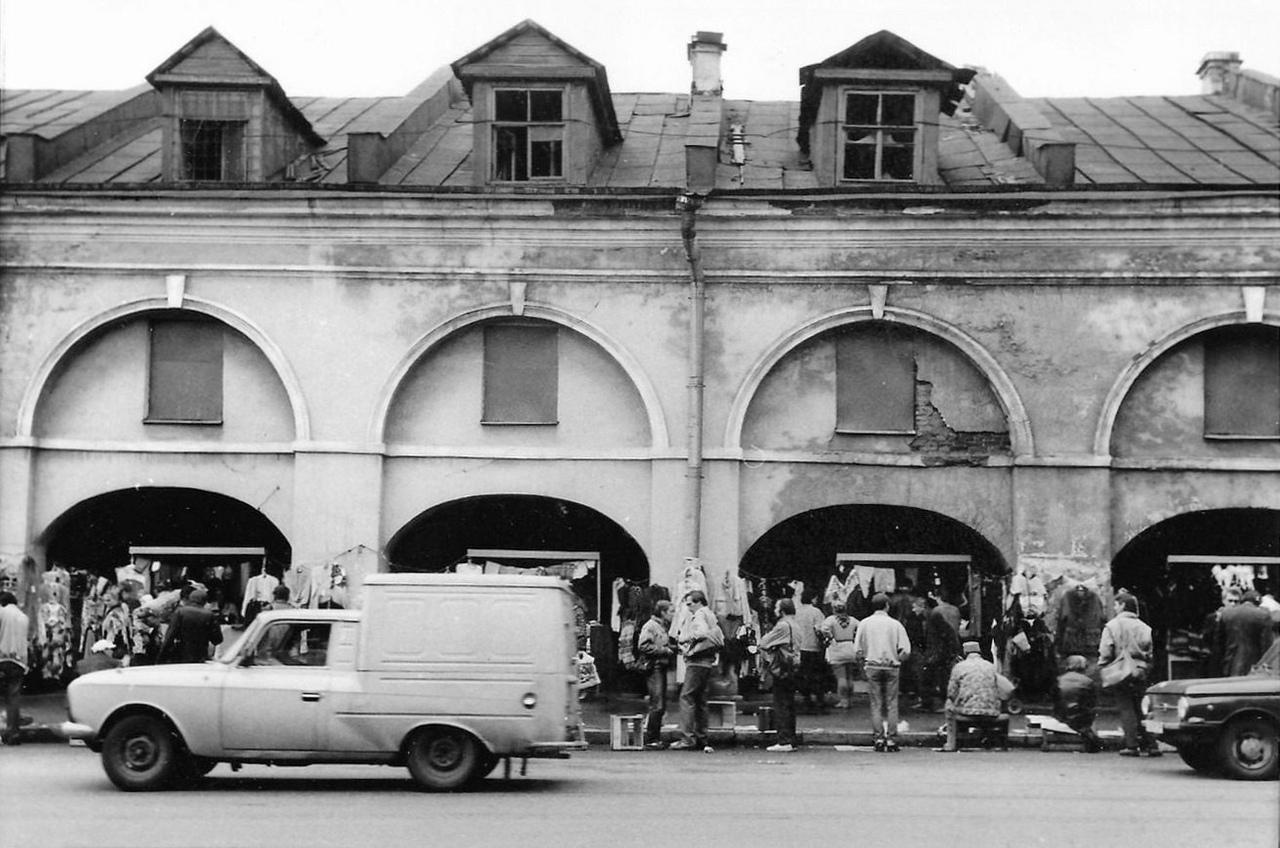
x: 52, y: 796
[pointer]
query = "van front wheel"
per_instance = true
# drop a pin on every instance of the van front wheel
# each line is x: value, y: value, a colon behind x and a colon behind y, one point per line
x: 442, y: 759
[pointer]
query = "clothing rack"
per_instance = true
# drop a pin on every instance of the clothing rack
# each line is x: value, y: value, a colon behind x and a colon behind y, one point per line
x: 553, y: 556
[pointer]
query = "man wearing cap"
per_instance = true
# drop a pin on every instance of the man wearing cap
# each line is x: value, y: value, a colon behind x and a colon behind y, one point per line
x: 192, y: 629
x: 1244, y: 633
x: 971, y: 691
x: 881, y: 645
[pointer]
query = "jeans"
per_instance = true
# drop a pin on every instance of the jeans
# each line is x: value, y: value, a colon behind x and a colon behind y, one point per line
x: 657, y: 705
x: 1128, y: 696
x: 11, y: 675
x: 784, y: 711
x: 882, y: 681
x: 695, y: 715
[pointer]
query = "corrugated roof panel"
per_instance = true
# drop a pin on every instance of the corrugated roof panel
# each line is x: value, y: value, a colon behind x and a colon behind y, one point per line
x: 452, y: 147
x: 113, y: 167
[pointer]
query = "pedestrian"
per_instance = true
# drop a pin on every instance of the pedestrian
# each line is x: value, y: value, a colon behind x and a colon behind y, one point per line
x: 656, y: 654
x: 972, y: 692
x: 14, y: 634
x: 700, y: 639
x: 784, y: 637
x: 881, y: 644
x: 1244, y: 633
x: 1126, y: 642
x: 1076, y: 704
x: 280, y: 598
x: 941, y: 648
x: 811, y: 683
x: 192, y: 629
x: 839, y: 629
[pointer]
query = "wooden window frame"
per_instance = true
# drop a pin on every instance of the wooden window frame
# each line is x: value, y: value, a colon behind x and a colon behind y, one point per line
x: 228, y: 137
x: 882, y: 133
x: 528, y: 134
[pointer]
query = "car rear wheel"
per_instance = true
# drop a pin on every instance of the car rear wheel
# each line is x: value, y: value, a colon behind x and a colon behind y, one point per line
x: 1200, y: 757
x: 442, y: 759
x: 1248, y: 749
x: 141, y: 753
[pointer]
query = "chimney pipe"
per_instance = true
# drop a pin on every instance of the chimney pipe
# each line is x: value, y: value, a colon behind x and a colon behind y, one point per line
x: 1215, y: 68
x: 705, y: 50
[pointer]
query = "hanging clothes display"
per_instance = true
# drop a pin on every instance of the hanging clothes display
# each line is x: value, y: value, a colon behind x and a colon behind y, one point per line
x: 1080, y: 622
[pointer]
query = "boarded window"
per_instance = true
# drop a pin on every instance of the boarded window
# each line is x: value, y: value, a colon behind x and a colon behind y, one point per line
x: 185, y: 375
x: 1242, y: 383
x: 521, y: 374
x: 875, y: 382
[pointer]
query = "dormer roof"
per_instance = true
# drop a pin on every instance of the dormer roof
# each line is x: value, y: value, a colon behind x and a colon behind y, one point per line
x: 528, y: 51
x: 211, y: 61
x: 884, y: 56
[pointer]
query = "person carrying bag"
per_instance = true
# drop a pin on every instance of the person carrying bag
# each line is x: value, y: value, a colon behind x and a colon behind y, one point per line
x: 781, y: 648
x: 1124, y: 661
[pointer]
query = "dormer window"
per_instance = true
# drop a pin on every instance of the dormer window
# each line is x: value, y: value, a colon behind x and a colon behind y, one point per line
x: 879, y: 136
x: 528, y: 134
x: 212, y: 151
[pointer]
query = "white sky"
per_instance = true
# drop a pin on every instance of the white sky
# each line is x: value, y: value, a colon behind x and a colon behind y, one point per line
x: 1093, y: 48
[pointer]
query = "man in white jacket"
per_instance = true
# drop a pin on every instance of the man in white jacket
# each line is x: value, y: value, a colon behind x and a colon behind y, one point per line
x: 882, y: 644
x: 700, y: 640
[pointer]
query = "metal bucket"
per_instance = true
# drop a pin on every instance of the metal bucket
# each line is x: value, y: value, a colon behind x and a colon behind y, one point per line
x: 764, y: 719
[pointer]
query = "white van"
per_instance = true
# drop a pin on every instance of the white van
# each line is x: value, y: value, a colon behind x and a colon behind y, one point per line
x: 445, y: 674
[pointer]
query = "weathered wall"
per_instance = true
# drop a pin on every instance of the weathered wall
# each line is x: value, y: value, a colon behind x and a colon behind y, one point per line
x: 440, y: 401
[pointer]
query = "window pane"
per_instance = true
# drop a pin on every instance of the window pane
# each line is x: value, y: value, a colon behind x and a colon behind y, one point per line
x: 544, y: 159
x: 898, y: 110
x: 545, y: 105
x: 875, y: 382
x: 861, y: 109
x: 859, y: 162
x: 896, y: 162
x: 511, y: 105
x: 521, y: 374
x: 1242, y: 382
x: 185, y: 376
x: 510, y: 153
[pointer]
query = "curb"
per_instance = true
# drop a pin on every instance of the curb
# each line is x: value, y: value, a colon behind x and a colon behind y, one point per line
x: 752, y: 738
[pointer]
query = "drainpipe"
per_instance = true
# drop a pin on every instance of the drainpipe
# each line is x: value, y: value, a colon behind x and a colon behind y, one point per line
x: 688, y: 204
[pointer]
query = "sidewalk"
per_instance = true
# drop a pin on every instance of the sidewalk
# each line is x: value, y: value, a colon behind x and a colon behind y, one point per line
x: 828, y: 727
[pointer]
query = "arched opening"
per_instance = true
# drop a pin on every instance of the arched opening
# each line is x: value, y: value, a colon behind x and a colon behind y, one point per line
x: 1178, y: 569
x: 441, y: 537
x: 210, y: 537
x: 929, y: 551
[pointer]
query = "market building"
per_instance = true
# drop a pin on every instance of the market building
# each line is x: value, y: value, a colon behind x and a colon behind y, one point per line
x: 912, y: 326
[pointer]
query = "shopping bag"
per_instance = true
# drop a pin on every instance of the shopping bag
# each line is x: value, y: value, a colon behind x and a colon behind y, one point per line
x: 587, y: 674
x: 1117, y: 671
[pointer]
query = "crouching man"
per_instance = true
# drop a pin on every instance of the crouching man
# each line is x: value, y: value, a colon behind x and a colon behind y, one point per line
x: 971, y: 692
x: 1077, y: 702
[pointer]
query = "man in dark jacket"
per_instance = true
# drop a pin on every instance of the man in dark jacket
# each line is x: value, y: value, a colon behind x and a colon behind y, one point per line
x: 192, y: 629
x: 1244, y: 634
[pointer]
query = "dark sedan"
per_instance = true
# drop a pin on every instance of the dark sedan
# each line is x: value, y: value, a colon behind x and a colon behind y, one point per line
x: 1226, y: 725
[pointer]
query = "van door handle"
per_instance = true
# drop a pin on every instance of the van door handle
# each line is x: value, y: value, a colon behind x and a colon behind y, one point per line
x: 310, y: 696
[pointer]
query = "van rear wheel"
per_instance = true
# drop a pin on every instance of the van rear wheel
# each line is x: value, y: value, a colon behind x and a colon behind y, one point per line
x: 442, y: 759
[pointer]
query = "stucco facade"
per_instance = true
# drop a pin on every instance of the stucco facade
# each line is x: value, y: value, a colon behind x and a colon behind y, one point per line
x: 1058, y: 337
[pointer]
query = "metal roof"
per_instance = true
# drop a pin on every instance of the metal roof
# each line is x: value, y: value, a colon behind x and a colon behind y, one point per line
x: 1183, y: 140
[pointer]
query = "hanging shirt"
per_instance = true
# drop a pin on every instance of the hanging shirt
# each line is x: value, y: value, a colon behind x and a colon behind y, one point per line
x: 259, y: 588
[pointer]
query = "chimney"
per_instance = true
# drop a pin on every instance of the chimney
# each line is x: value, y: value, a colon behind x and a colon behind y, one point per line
x: 705, y: 50
x: 1215, y: 68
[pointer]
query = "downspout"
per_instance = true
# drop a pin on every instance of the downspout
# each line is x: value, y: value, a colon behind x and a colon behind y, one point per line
x: 689, y: 203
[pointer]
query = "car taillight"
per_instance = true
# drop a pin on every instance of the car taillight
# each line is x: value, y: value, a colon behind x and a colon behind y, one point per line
x: 1146, y: 705
x: 1183, y: 704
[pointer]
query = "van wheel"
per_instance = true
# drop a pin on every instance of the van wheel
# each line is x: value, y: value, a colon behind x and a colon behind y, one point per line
x: 442, y: 759
x: 140, y: 753
x: 1249, y: 750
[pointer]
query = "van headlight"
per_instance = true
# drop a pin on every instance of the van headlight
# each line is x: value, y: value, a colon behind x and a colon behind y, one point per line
x: 1183, y: 704
x: 529, y: 701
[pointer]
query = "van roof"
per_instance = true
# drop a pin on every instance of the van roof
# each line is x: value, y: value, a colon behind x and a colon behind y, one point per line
x: 479, y: 581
